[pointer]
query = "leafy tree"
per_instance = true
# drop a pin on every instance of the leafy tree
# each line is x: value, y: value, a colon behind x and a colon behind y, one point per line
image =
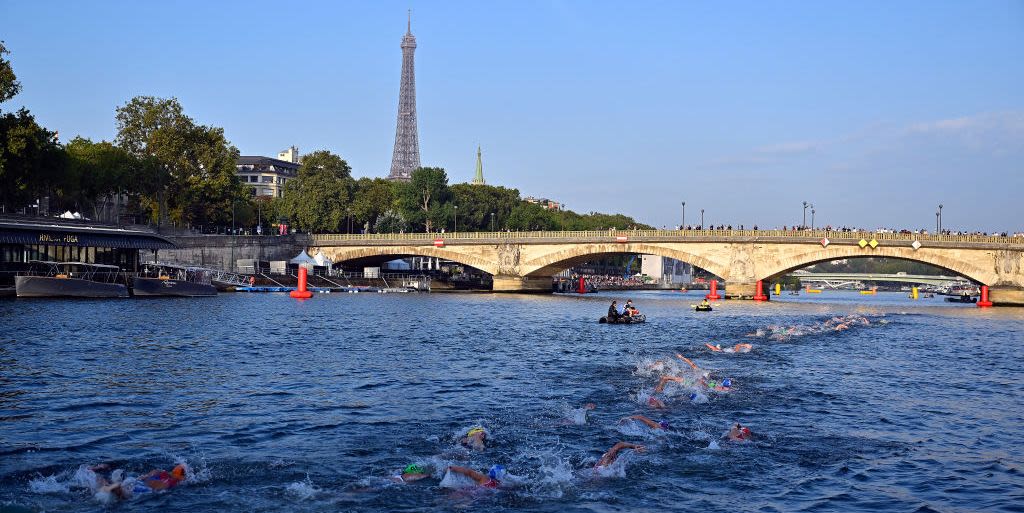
x: 319, y: 199
x: 9, y: 85
x: 391, y: 221
x: 98, y: 170
x: 189, y: 169
x: 373, y: 197
x: 477, y: 202
x: 531, y: 217
x: 422, y: 198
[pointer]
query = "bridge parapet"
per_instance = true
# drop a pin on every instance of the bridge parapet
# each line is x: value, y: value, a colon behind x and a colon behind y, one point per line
x: 653, y: 235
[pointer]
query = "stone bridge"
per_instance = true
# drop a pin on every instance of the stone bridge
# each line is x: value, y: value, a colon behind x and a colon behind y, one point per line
x: 526, y: 261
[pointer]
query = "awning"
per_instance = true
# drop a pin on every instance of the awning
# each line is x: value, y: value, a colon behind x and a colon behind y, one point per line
x: 83, y: 236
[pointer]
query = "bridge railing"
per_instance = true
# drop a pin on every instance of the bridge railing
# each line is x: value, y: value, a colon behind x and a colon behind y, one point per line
x: 668, y: 234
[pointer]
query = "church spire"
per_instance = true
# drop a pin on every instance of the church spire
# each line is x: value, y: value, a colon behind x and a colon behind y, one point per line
x: 479, y: 178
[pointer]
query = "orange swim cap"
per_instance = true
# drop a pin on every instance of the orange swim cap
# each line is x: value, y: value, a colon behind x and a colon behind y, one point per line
x: 179, y: 472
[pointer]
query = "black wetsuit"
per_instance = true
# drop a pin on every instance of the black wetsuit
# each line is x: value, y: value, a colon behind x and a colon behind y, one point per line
x: 613, y: 314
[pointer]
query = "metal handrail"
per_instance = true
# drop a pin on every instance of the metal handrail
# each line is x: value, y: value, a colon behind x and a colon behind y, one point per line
x: 668, y: 234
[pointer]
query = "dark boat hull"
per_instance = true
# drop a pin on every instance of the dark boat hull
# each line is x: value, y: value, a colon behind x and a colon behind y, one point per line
x: 48, y: 286
x: 635, y: 319
x: 702, y: 308
x: 151, y: 287
x: 962, y: 299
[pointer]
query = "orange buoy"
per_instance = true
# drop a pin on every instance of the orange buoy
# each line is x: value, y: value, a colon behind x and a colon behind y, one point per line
x: 714, y: 291
x: 301, y: 292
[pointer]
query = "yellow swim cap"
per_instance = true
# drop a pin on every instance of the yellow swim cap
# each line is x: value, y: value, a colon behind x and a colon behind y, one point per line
x: 475, y: 431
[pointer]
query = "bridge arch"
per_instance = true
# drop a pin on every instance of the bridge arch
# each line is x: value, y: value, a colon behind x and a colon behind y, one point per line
x: 341, y: 254
x: 557, y: 261
x: 939, y: 259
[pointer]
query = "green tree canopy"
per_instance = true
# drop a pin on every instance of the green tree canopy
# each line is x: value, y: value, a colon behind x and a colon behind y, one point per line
x: 320, y: 198
x: 423, y: 197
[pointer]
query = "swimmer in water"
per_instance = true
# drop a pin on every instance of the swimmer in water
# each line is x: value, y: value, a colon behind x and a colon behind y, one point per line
x: 412, y: 472
x: 613, y: 454
x: 650, y: 423
x: 155, y: 481
x: 665, y: 380
x: 490, y: 480
x: 476, y: 439
x: 739, y: 433
x: 655, y: 403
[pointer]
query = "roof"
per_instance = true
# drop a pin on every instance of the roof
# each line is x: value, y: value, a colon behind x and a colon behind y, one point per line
x: 252, y: 160
x: 57, y: 232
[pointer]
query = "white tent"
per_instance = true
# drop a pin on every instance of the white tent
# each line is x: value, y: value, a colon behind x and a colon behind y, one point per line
x: 68, y: 215
x: 303, y: 258
x: 321, y: 259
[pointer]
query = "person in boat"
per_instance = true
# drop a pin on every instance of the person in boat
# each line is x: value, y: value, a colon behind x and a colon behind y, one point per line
x: 613, y: 312
x: 411, y: 472
x: 705, y: 304
x: 492, y: 479
x: 475, y: 438
x: 739, y: 433
x: 655, y: 425
x: 629, y: 309
x: 612, y: 454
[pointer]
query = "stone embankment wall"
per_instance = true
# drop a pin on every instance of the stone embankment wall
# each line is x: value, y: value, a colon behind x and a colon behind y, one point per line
x: 223, y: 251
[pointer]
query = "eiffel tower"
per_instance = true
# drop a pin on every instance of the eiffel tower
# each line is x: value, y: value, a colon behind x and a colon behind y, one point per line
x: 406, y: 157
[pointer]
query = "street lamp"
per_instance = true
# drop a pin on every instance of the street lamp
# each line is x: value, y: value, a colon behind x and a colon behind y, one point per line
x: 702, y: 219
x: 804, y: 225
x: 492, y: 221
x: 940, y: 218
x: 684, y: 216
x: 937, y: 222
x: 812, y: 217
x: 232, y: 217
x: 456, y: 219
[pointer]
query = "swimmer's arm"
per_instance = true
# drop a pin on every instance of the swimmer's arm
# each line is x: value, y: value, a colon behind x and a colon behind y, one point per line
x: 609, y: 457
x: 470, y: 473
x: 650, y: 423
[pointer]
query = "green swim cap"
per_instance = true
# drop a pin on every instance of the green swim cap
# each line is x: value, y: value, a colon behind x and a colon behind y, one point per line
x: 414, y: 469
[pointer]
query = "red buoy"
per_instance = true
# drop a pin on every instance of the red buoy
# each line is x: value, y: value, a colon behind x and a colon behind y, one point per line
x: 759, y: 294
x: 582, y: 287
x: 301, y: 292
x: 984, y: 302
x: 714, y: 291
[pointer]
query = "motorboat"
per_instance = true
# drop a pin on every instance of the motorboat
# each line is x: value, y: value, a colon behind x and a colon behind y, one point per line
x: 702, y: 308
x: 173, y: 280
x: 625, y: 319
x: 962, y: 299
x: 70, y: 279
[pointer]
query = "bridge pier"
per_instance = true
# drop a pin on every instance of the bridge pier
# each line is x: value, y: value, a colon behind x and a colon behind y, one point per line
x: 740, y: 290
x: 1006, y: 296
x: 533, y: 284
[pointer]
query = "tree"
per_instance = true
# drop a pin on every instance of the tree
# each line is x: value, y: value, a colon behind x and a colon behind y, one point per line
x: 477, y: 202
x: 9, y: 85
x: 373, y: 197
x: 422, y: 197
x: 189, y: 169
x: 319, y: 199
x: 98, y: 170
x: 531, y: 217
x: 32, y: 163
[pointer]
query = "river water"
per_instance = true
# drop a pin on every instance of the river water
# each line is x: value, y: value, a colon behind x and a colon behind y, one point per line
x: 283, y: 405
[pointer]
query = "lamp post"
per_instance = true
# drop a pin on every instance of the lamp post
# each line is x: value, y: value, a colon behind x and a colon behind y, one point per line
x: 684, y: 216
x: 232, y: 217
x: 804, y: 224
x: 940, y: 218
x: 937, y: 223
x: 702, y: 219
x: 456, y: 219
x: 259, y: 217
x: 812, y: 217
x: 492, y: 221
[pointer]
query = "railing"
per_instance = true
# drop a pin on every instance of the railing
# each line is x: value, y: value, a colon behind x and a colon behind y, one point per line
x: 815, y: 235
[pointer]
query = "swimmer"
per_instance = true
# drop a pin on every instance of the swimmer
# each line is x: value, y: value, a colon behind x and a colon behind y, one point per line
x: 716, y: 348
x: 613, y: 454
x: 650, y: 423
x: 476, y: 439
x: 664, y: 380
x: 578, y: 416
x: 655, y: 403
x: 490, y: 480
x: 411, y: 472
x: 154, y: 481
x: 739, y: 433
x: 724, y: 386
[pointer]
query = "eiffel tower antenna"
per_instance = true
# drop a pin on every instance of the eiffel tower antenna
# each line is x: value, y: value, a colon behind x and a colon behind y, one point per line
x: 406, y: 157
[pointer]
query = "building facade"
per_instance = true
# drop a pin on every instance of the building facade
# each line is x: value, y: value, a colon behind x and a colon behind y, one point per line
x: 548, y: 204
x: 666, y: 271
x: 267, y: 176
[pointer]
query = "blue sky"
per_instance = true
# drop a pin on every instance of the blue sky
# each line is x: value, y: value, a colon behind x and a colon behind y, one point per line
x: 874, y: 111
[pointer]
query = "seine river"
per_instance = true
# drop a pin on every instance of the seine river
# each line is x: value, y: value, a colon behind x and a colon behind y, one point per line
x: 279, y: 405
